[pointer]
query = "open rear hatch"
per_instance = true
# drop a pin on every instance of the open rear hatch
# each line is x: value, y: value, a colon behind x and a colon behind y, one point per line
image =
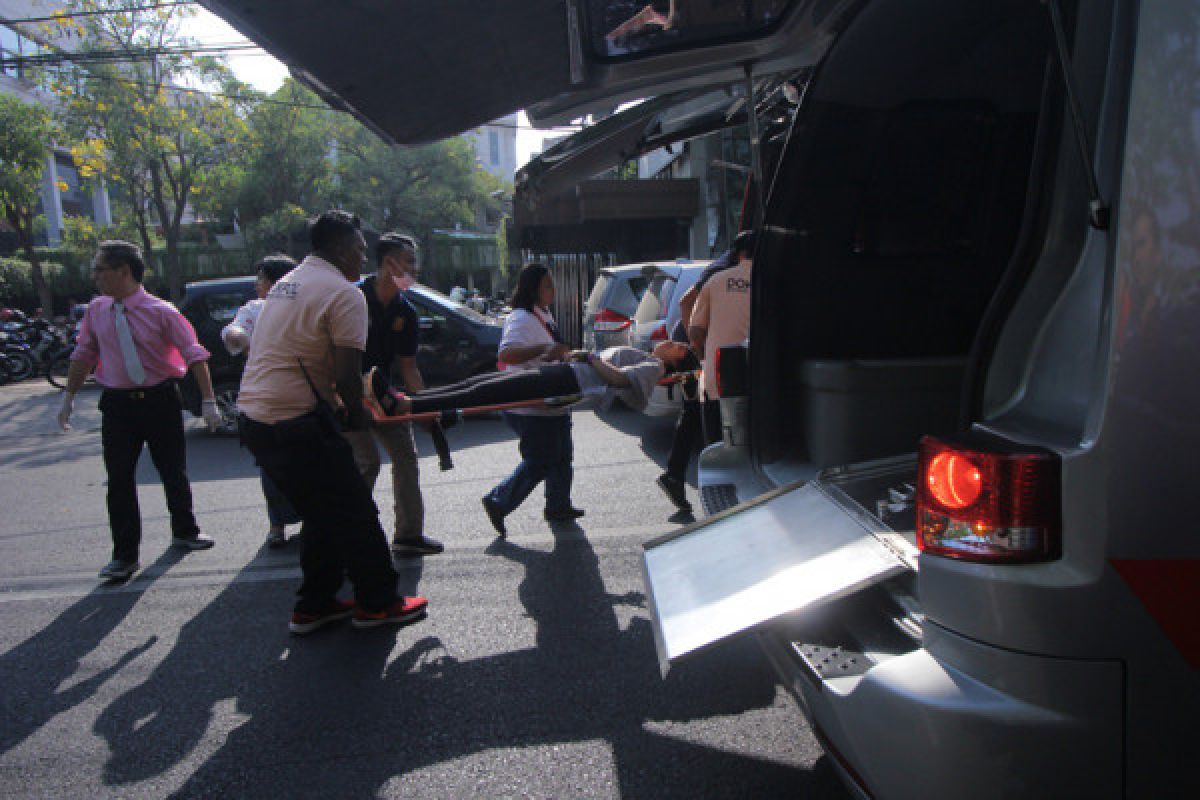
x: 794, y: 549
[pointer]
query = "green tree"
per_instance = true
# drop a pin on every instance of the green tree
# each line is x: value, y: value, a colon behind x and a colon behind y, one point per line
x: 415, y: 189
x: 25, y: 136
x: 284, y: 160
x: 140, y: 118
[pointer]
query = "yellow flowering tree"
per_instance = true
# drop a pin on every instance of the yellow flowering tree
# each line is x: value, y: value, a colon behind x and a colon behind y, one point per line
x: 25, y: 136
x: 148, y: 114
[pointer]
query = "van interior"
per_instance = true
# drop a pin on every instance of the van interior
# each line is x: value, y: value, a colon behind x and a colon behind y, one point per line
x: 906, y: 212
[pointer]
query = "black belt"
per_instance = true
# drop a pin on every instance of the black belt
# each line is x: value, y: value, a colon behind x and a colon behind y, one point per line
x: 140, y: 394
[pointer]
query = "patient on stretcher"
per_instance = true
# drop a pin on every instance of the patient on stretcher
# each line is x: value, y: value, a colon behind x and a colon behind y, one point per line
x: 624, y: 372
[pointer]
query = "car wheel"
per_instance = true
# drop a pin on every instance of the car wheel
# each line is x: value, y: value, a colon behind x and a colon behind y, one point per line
x: 227, y: 397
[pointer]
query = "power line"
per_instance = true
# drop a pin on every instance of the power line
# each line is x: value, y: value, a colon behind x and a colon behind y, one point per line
x: 296, y: 104
x: 121, y: 56
x: 98, y: 12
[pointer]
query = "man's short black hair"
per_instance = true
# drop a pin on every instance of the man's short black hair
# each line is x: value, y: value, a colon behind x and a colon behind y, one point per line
x: 394, y: 241
x: 744, y: 243
x: 332, y: 229
x: 115, y: 252
x: 275, y: 266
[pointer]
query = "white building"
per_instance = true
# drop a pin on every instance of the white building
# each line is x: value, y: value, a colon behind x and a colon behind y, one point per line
x: 25, y: 39
x: 496, y: 146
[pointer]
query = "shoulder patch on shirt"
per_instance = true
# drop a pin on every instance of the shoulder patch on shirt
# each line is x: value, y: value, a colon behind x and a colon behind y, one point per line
x: 286, y: 289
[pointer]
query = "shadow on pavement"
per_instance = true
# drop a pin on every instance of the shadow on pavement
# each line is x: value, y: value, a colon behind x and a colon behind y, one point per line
x: 35, y: 669
x: 345, y: 713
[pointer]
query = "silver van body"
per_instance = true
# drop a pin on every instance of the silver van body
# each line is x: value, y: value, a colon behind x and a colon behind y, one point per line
x: 925, y: 265
x: 926, y: 676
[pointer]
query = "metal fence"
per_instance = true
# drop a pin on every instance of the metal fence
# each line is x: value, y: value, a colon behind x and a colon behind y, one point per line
x: 574, y: 274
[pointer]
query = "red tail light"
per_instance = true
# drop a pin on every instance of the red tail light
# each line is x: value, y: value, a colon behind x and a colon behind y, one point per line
x: 991, y: 503
x: 610, y: 321
x: 659, y: 334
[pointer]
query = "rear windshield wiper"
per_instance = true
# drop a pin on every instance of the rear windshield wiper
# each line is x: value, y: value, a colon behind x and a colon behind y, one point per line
x: 1098, y: 210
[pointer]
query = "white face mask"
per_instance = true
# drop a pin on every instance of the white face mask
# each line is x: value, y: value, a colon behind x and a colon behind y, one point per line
x: 404, y: 282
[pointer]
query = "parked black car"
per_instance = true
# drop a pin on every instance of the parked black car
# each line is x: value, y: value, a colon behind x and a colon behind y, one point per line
x: 456, y: 342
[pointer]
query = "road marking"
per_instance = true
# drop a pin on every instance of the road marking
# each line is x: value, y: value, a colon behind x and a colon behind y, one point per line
x: 265, y: 569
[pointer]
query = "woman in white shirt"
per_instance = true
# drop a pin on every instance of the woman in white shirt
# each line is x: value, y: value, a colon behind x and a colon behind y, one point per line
x: 236, y: 336
x: 531, y: 339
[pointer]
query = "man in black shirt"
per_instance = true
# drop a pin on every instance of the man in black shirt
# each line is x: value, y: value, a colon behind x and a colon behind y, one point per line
x: 392, y: 338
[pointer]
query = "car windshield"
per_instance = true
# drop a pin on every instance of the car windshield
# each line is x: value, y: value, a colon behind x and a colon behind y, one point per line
x: 439, y: 299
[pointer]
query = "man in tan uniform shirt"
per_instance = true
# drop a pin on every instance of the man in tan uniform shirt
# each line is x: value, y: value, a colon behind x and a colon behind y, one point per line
x: 720, y: 317
x: 305, y: 358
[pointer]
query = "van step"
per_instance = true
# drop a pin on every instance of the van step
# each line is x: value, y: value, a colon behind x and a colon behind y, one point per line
x: 718, y: 497
x: 831, y: 662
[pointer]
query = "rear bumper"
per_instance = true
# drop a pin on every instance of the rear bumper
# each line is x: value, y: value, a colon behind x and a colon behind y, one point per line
x: 956, y: 718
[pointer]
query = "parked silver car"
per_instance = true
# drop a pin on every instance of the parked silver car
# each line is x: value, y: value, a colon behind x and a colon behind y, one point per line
x: 655, y: 319
x: 608, y: 312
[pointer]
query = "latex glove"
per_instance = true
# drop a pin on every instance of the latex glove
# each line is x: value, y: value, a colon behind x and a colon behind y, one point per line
x: 64, y: 413
x: 212, y: 415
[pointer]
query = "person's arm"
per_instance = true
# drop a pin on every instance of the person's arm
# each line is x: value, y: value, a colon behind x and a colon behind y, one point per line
x: 83, y: 360
x: 410, y: 374
x: 608, y: 373
x: 686, y: 304
x: 697, y: 326
x: 520, y: 353
x: 520, y: 344
x: 347, y: 379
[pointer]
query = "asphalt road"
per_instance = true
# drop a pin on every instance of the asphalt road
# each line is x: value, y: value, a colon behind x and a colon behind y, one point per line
x: 534, y: 675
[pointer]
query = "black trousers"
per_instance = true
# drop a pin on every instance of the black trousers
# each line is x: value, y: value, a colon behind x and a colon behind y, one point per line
x: 698, y: 419
x: 508, y: 386
x: 312, y: 464
x: 130, y: 419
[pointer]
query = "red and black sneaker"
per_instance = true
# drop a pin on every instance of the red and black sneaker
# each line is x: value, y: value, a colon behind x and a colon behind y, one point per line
x: 401, y: 612
x: 304, y: 622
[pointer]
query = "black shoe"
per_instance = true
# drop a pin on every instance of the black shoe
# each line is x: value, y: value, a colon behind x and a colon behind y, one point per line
x: 496, y: 516
x: 118, y: 570
x: 673, y: 489
x: 566, y: 515
x: 197, y: 542
x: 421, y: 546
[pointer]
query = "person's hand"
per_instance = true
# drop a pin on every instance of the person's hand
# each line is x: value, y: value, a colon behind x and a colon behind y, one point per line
x: 557, y: 352
x: 212, y: 415
x: 64, y: 413
x: 236, y: 340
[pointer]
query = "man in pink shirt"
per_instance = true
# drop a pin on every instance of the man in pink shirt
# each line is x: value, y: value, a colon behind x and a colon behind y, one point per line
x: 139, y: 346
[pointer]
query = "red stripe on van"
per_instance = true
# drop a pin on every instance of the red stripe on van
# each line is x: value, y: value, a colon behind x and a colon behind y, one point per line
x: 1170, y: 591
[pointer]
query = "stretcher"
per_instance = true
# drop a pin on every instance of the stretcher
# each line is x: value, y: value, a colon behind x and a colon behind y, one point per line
x: 449, y: 416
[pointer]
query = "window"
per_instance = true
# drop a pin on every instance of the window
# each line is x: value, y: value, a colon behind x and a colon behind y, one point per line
x: 625, y: 27
x: 223, y: 308
x: 493, y: 147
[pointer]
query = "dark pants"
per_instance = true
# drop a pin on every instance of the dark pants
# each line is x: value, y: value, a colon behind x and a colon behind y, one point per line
x: 130, y: 419
x: 279, y: 510
x: 711, y: 413
x: 509, y: 386
x: 546, y: 454
x: 697, y: 418
x: 313, y: 466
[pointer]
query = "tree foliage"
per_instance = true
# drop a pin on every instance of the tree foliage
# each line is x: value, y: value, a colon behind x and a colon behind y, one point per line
x: 25, y: 135
x: 140, y: 122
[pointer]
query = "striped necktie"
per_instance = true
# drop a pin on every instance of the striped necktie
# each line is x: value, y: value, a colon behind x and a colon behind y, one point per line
x: 133, y: 364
